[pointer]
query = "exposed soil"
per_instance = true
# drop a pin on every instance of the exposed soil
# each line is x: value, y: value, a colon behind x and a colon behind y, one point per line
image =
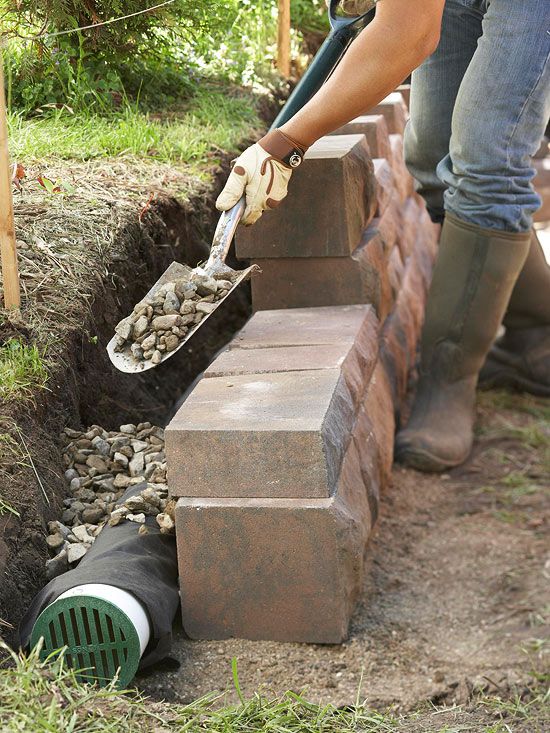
x: 456, y: 590
x: 84, y: 388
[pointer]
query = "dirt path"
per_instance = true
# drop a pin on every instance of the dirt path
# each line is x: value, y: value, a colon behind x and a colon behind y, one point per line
x: 456, y: 590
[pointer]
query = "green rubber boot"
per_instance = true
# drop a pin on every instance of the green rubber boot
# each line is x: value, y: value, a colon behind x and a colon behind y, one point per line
x: 520, y: 359
x: 474, y: 275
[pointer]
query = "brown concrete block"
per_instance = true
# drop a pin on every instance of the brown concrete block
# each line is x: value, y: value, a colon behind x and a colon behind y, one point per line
x: 364, y: 440
x: 303, y: 327
x: 385, y: 184
x: 258, y: 435
x: 275, y: 569
x: 356, y: 359
x: 395, y: 112
x: 331, y: 199
x: 410, y: 226
x: 395, y: 270
x: 288, y: 283
x: 389, y: 224
x: 374, y: 128
x: 404, y: 182
x: 379, y: 408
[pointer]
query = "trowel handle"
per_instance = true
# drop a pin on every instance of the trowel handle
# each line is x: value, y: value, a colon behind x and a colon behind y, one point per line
x: 225, y: 231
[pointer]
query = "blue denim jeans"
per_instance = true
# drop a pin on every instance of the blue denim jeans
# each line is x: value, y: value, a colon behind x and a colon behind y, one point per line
x: 479, y: 107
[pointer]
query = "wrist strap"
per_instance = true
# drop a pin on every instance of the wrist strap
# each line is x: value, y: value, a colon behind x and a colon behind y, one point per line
x: 283, y: 148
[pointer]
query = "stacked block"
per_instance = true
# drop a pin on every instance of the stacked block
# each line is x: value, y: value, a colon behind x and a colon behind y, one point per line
x: 275, y: 458
x: 278, y: 456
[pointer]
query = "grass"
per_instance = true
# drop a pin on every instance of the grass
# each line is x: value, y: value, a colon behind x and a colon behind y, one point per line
x: 46, y: 697
x: 217, y: 120
x: 22, y: 370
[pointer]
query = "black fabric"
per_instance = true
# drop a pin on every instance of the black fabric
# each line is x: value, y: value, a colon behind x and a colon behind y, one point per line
x: 144, y: 565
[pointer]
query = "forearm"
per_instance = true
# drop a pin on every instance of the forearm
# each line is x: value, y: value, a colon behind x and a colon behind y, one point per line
x: 384, y: 53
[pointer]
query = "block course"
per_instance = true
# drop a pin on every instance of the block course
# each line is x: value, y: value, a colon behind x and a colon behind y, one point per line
x: 278, y: 456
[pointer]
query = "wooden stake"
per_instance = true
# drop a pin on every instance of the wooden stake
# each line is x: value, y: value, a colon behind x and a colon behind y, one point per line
x: 283, y: 38
x: 8, y: 249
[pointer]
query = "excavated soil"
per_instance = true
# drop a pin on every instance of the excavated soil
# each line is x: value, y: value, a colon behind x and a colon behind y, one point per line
x: 84, y: 388
x: 456, y: 597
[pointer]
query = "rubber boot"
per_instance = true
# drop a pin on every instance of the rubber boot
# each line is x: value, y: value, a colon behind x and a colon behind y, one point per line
x: 472, y: 281
x: 520, y: 359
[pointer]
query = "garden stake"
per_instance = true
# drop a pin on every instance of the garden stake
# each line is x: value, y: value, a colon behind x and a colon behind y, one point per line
x: 344, y: 28
x: 8, y: 248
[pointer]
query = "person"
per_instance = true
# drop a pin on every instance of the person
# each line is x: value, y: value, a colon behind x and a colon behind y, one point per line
x: 480, y: 102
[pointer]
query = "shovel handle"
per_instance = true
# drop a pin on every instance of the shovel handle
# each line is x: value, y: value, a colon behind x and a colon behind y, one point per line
x: 225, y: 231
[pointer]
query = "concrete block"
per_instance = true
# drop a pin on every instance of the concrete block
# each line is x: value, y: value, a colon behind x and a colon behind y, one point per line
x: 257, y: 435
x: 322, y: 281
x: 395, y: 112
x: 411, y: 222
x: 378, y: 407
x: 374, y: 128
x: 385, y: 184
x: 395, y: 270
x: 356, y: 360
x: 404, y: 182
x: 274, y: 569
x: 331, y: 199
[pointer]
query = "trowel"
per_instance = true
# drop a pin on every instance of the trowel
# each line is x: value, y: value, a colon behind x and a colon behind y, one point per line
x: 347, y: 18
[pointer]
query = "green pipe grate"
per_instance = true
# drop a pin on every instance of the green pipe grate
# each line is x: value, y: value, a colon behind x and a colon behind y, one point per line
x: 100, y: 638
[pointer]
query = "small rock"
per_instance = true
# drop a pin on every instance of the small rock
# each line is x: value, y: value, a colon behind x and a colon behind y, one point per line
x: 57, y: 565
x: 172, y: 342
x: 75, y: 484
x: 135, y: 503
x: 101, y: 446
x: 77, y: 506
x: 121, y: 459
x: 93, y: 515
x: 144, y: 529
x: 136, y: 351
x: 55, y: 541
x: 128, y: 428
x: 149, y: 342
x: 121, y: 481
x: 171, y: 303
x: 165, y: 522
x: 76, y: 552
x: 205, y: 308
x: 206, y: 285
x: 81, y: 534
x: 138, y: 518
x: 68, y: 516
x: 137, y: 465
x: 156, y: 358
x: 140, y: 326
x: 70, y: 474
x: 139, y: 445
x: 97, y: 462
x: 165, y: 323
x: 124, y: 329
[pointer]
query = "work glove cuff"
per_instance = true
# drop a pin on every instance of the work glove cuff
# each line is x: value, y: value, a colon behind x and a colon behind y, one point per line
x: 283, y: 148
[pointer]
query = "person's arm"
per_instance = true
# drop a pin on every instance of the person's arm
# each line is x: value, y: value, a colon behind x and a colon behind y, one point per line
x: 402, y: 34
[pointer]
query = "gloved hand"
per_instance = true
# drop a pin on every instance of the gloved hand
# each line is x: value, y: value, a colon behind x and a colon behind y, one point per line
x: 261, y: 173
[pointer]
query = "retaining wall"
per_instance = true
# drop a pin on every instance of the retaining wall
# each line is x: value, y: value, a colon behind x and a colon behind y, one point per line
x: 278, y: 456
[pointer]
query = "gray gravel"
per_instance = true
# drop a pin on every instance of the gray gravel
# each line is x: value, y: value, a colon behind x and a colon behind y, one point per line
x: 99, y: 467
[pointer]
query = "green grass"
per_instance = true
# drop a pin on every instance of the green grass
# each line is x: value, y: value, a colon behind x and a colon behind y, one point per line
x: 216, y: 120
x: 22, y: 370
x: 46, y: 697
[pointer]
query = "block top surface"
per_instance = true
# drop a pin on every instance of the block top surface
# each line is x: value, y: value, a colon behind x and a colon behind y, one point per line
x: 303, y: 326
x: 334, y: 146
x: 290, y: 401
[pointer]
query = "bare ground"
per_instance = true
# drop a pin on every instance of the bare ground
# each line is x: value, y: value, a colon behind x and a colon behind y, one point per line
x: 456, y: 601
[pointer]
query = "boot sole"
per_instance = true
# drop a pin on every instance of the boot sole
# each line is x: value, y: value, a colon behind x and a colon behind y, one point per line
x: 509, y: 379
x: 422, y: 460
x: 96, y: 637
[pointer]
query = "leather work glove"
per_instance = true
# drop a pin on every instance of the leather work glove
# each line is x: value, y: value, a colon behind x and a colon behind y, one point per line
x: 261, y: 173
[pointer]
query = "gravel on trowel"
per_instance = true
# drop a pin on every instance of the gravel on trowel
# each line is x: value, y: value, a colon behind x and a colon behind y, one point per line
x: 159, y: 323
x: 99, y: 468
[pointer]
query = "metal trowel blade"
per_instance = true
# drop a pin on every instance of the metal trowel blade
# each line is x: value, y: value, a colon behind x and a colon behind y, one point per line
x: 125, y: 362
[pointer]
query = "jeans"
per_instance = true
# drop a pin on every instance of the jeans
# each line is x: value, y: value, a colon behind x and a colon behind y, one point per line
x: 479, y: 107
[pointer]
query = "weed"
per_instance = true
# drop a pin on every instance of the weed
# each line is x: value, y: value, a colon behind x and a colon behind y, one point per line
x: 22, y: 370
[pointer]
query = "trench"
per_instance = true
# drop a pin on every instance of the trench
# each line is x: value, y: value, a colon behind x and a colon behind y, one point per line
x: 85, y: 389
